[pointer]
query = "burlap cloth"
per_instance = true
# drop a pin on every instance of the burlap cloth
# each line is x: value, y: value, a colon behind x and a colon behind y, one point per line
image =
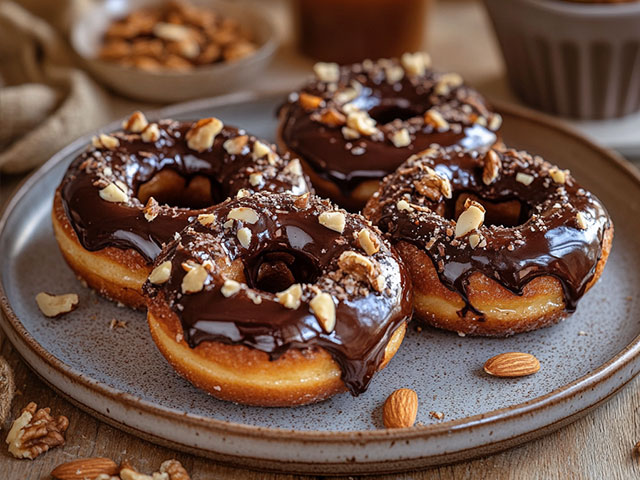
x: 46, y: 99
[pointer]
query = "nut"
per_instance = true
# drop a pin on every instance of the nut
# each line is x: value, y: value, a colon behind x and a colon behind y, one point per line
x: 151, y: 209
x: 174, y: 469
x: 105, y: 141
x: 400, y: 409
x: 293, y: 168
x: 361, y: 268
x: 496, y: 122
x: 290, y: 297
x: 403, y: 205
x: 302, y: 201
x: 207, y: 219
x: 557, y: 175
x: 310, y: 102
x: 127, y: 472
x: 432, y: 185
x: 415, y: 63
x: 447, y: 82
x: 436, y: 120
x: 260, y: 150
x: 255, y: 179
x: 474, y: 240
x: 171, y: 31
x: 246, y: 214
x: 524, y: 178
x: 332, y: 118
x: 230, y: 287
x: 348, y: 94
x: 161, y: 273
x: 85, y: 468
x: 244, y: 236
x: 56, y: 305
x: 235, y: 145
x: 243, y: 192
x: 114, y: 193
x: 492, y: 167
x: 324, y: 309
x: 350, y: 133
x: 35, y: 432
x: 193, y: 281
x: 368, y: 241
x: 401, y: 138
x: 136, y: 123
x: 151, y: 133
x: 470, y: 219
x: 333, y: 221
x: 393, y: 74
x: 581, y: 220
x: 327, y: 72
x: 201, y: 135
x: 512, y: 364
x: 362, y: 123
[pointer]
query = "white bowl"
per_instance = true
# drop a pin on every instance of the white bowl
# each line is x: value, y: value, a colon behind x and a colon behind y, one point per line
x: 171, y: 86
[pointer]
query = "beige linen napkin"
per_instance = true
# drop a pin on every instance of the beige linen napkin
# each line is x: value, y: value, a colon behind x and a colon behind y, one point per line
x: 47, y: 100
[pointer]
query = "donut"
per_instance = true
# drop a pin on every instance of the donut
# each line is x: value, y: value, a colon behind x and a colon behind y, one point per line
x: 353, y: 125
x: 278, y: 300
x: 132, y: 190
x: 497, y: 243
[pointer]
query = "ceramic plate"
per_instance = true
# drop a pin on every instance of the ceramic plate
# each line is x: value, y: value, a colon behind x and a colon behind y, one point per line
x: 119, y: 376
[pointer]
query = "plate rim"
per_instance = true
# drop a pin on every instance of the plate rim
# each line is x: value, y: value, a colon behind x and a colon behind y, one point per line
x: 615, y: 364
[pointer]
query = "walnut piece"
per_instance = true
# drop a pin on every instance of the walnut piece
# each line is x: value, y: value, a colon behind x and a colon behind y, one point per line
x: 175, y: 470
x: 432, y: 185
x: 310, y: 102
x: 362, y: 268
x: 201, y: 135
x: 136, y: 123
x: 35, y: 432
x: 332, y: 118
x: 368, y: 241
x: 436, y: 120
x: 447, y: 82
x: 56, y: 305
x: 324, y: 309
x: 362, y: 122
x: 492, y: 167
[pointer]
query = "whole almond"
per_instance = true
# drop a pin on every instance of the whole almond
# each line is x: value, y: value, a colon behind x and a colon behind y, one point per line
x: 85, y: 468
x: 512, y: 364
x: 400, y: 409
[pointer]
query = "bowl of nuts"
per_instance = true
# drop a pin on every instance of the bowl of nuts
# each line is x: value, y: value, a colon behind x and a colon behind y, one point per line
x: 170, y: 51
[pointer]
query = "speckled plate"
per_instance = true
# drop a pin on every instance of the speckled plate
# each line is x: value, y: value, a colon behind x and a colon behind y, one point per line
x: 119, y: 376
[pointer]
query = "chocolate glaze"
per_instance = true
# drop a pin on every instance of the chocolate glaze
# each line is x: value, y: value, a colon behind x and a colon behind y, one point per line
x: 288, y: 236
x: 548, y: 241
x: 396, y: 105
x: 99, y: 223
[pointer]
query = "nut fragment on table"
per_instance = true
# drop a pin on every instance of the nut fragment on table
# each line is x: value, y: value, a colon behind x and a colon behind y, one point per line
x: 35, y: 432
x: 86, y: 468
x: 56, y: 305
x: 400, y: 409
x: 175, y: 36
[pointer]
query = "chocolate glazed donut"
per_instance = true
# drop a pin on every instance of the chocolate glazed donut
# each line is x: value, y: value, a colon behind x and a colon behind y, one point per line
x: 528, y: 242
x: 131, y: 191
x: 353, y: 125
x: 278, y: 300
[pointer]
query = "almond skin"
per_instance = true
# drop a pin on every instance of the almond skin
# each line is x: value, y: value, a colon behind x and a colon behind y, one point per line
x: 85, y: 468
x: 400, y: 409
x: 512, y: 364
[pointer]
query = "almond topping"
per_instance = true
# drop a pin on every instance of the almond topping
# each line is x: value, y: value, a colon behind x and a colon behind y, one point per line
x: 400, y: 409
x: 474, y: 240
x: 290, y: 298
x: 401, y: 138
x: 136, y: 123
x: 403, y: 205
x: 581, y: 220
x: 105, y: 141
x: 350, y: 133
x: 243, y: 192
x: 557, y: 175
x: 293, y: 168
x: 207, y: 219
x: 327, y: 72
x: 171, y: 32
x: 470, y: 219
x: 230, y: 287
x: 512, y: 364
x: 415, y: 63
x: 447, y: 82
x: 193, y: 281
x: 55, y: 305
x: 333, y: 221
x: 436, y: 120
x: 495, y: 122
x: 113, y: 193
x: 393, y: 74
x: 151, y: 210
x: 362, y: 122
x: 246, y: 214
x: 260, y: 150
x: 255, y: 179
x: 244, y: 236
x: 332, y: 118
x: 235, y: 145
x: 161, y: 273
x: 524, y: 178
x: 301, y: 202
x: 310, y: 102
x: 201, y: 135
x: 369, y: 243
x: 324, y: 309
x: 492, y: 167
x: 151, y: 133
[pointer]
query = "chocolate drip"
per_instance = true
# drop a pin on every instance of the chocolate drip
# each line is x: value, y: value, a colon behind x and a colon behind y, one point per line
x: 396, y: 105
x: 133, y: 162
x: 307, y: 253
x: 550, y: 241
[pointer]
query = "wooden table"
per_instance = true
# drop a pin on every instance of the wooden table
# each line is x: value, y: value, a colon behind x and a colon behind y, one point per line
x: 597, y: 446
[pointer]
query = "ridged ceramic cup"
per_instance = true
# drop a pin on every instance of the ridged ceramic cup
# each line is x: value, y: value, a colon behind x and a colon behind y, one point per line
x: 571, y: 59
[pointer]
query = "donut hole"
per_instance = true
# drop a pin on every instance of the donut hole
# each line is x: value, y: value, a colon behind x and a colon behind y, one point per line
x: 276, y: 270
x: 168, y: 187
x: 394, y: 109
x: 506, y: 213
